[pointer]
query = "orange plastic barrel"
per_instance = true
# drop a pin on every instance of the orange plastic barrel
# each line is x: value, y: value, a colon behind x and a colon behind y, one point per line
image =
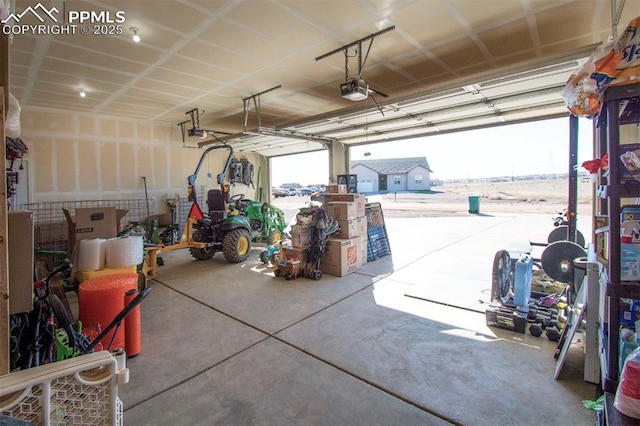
x: 101, y: 299
x: 132, y: 326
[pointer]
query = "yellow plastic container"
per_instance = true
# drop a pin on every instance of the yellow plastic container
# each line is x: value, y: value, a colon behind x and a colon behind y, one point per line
x: 82, y: 276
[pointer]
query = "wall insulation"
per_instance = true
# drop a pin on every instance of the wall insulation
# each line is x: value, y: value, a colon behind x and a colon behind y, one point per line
x: 82, y: 156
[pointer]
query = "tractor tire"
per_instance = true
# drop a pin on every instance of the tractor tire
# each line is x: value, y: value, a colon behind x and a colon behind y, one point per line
x: 264, y: 256
x: 201, y: 253
x: 274, y: 237
x: 236, y: 245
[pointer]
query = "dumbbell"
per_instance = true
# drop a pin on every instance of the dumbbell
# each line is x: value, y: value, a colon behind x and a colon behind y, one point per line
x: 536, y: 329
x: 535, y: 311
x: 546, y: 319
x: 544, y: 323
x: 553, y: 333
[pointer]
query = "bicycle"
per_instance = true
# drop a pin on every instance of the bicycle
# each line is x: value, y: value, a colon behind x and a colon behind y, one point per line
x: 47, y: 334
x: 48, y: 313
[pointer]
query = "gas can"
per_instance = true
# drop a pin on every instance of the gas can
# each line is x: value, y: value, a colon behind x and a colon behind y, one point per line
x: 522, y: 280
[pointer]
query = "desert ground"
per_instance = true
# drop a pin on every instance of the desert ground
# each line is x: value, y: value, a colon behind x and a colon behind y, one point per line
x: 538, y: 196
x: 530, y: 196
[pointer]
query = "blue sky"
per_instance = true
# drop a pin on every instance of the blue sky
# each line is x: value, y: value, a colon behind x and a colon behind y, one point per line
x: 514, y: 150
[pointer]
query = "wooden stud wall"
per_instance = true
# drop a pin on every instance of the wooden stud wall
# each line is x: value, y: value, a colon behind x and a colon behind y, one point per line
x: 4, y: 255
x: 4, y: 261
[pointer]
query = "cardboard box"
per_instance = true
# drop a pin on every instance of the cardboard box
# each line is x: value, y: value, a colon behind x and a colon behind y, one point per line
x: 364, y: 239
x: 95, y: 222
x: 300, y: 235
x: 21, y: 262
x: 351, y: 228
x: 629, y: 213
x: 351, y: 181
x: 625, y: 350
x: 630, y: 313
x: 629, y: 248
x: 336, y: 189
x: 629, y: 172
x: 294, y: 253
x: 304, y: 218
x: 343, y: 256
x: 359, y: 199
x: 342, y: 210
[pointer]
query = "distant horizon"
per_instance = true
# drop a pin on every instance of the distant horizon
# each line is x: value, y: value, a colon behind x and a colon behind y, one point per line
x: 516, y: 177
x: 524, y: 149
x: 536, y: 176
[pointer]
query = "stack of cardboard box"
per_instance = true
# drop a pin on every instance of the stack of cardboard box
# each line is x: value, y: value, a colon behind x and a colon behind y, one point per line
x: 296, y: 249
x: 347, y: 248
x: 91, y: 223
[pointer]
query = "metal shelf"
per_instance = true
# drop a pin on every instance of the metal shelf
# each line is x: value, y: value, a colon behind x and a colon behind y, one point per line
x: 621, y: 106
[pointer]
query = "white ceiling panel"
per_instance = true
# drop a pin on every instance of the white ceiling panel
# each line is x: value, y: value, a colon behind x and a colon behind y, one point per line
x: 448, y: 65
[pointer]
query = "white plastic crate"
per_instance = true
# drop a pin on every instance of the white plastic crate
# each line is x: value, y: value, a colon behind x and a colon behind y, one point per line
x: 76, y: 391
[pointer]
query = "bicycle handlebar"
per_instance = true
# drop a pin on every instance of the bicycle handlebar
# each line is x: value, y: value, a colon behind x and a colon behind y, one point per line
x: 61, y: 268
x: 38, y: 285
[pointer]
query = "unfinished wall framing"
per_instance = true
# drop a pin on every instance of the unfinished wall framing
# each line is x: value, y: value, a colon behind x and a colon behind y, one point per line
x: 77, y: 156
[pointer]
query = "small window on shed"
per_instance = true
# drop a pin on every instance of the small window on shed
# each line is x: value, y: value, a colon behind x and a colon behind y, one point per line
x: 418, y: 179
x: 396, y: 180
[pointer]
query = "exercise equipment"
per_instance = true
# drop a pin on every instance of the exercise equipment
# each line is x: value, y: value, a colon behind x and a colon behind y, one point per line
x: 509, y: 318
x: 511, y: 288
x: 557, y: 260
x: 544, y: 321
x: 560, y: 234
x: 553, y: 333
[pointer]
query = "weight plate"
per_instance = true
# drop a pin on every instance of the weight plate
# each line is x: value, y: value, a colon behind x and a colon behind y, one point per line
x: 560, y: 234
x: 557, y: 260
x: 501, y: 277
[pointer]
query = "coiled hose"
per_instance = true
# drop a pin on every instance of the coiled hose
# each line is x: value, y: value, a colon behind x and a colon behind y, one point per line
x: 322, y: 226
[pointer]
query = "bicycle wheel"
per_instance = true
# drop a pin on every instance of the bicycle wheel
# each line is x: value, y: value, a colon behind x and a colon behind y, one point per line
x: 63, y: 318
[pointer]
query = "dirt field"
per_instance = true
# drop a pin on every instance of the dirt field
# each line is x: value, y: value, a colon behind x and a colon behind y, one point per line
x: 540, y: 196
x: 537, y: 196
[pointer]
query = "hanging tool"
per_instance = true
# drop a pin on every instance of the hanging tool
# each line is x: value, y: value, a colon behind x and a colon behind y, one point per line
x: 146, y: 195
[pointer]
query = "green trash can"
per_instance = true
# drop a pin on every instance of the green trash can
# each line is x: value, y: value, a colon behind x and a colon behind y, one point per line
x: 474, y: 204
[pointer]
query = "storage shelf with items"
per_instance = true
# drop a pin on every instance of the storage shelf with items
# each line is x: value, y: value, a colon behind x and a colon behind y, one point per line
x: 616, y: 218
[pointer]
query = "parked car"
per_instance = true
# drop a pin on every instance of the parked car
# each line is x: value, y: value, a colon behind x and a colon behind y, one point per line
x: 306, y: 191
x: 279, y: 192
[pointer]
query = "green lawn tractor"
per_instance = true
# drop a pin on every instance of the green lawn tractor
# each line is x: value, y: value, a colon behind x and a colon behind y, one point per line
x: 267, y: 221
x: 229, y: 225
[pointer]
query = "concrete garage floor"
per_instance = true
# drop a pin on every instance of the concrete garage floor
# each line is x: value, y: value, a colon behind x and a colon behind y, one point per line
x: 232, y: 344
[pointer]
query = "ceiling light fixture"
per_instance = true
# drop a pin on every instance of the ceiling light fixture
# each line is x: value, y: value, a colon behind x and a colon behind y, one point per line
x: 82, y: 93
x: 136, y: 36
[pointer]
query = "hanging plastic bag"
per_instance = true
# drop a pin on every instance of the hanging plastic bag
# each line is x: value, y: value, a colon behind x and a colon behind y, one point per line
x: 627, y: 399
x: 593, y: 166
x: 6, y: 8
x: 615, y: 62
x: 12, y: 121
